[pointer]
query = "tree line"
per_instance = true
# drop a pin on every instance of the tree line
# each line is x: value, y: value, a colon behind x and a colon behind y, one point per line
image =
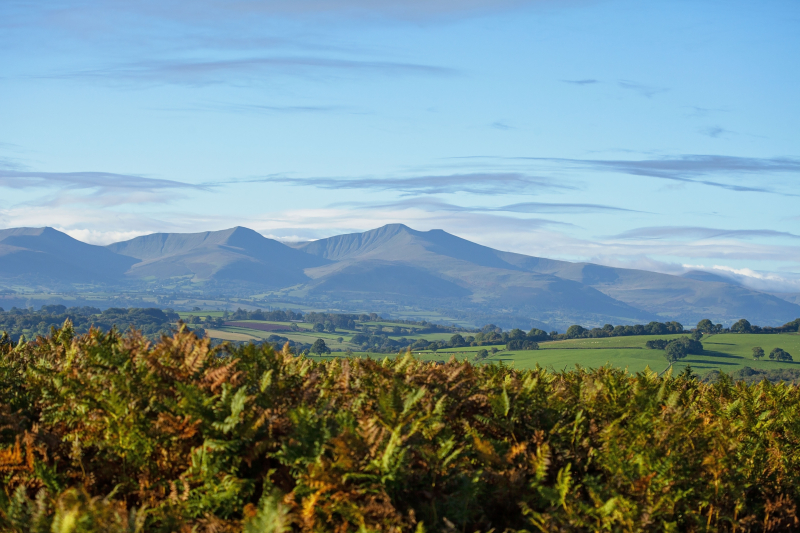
x: 29, y: 324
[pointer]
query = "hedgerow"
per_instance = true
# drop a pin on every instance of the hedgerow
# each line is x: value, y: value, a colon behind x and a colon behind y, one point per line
x: 113, y: 433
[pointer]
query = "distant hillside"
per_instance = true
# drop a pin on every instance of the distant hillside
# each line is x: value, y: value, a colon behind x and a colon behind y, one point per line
x: 50, y: 258
x: 392, y: 267
x: 232, y: 255
x: 549, y: 290
x: 677, y: 297
x: 476, y: 274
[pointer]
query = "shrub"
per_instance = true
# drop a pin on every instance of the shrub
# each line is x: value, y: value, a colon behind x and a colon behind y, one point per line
x: 522, y: 344
x: 656, y: 344
x: 115, y: 433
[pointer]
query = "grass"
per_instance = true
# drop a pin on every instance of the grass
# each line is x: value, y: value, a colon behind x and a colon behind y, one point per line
x: 726, y: 352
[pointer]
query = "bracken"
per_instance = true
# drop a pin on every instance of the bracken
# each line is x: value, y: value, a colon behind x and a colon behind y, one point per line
x: 112, y: 433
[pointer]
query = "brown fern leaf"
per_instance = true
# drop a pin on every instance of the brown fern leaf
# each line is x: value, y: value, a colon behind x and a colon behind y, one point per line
x: 12, y: 459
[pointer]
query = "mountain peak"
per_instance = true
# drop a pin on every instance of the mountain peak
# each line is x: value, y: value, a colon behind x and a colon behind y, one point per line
x: 25, y: 232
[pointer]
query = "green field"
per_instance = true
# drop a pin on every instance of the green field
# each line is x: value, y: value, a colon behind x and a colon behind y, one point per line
x: 726, y: 352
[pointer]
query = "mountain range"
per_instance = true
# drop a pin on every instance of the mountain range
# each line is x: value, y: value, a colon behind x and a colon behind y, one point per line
x: 394, y: 265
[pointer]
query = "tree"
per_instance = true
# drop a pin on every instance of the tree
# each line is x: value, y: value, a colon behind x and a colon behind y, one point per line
x: 340, y: 340
x: 742, y: 326
x: 522, y: 344
x: 457, y: 340
x: 675, y: 351
x: 537, y: 335
x: 319, y: 327
x: 516, y: 333
x: 696, y: 335
x: 779, y: 354
x: 319, y: 347
x: 758, y: 353
x: 705, y: 326
x: 482, y: 354
x: 656, y: 344
x: 575, y: 331
x: 330, y: 327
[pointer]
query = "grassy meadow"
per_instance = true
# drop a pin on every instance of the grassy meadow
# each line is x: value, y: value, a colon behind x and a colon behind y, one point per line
x: 726, y: 352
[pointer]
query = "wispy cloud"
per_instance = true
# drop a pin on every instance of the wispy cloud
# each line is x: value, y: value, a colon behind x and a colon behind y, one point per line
x: 760, y: 280
x: 202, y: 12
x: 536, y: 207
x: 500, y: 125
x: 701, y: 112
x: 475, y: 183
x: 239, y: 70
x: 433, y: 205
x: 682, y: 232
x: 708, y: 170
x: 99, y: 188
x: 715, y: 132
x: 587, y: 81
x: 648, y: 91
x: 100, y: 181
x: 281, y: 109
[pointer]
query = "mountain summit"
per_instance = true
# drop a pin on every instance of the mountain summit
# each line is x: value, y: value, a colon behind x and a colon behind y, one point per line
x: 232, y: 255
x: 392, y: 267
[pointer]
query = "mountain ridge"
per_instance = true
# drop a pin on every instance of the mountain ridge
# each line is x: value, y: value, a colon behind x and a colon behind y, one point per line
x: 395, y: 263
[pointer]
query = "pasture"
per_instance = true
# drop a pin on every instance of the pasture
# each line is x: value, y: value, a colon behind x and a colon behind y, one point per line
x: 726, y: 352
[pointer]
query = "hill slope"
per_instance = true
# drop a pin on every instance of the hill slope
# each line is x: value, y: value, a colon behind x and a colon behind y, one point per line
x: 549, y: 290
x: 48, y: 257
x: 233, y: 255
x: 389, y: 266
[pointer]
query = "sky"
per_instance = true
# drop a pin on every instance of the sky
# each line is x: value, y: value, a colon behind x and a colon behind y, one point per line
x: 661, y: 135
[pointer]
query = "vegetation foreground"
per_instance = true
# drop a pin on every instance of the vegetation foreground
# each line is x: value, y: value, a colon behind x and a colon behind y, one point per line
x: 110, y: 433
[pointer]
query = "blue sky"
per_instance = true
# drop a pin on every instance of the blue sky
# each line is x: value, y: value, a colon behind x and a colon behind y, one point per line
x: 657, y: 135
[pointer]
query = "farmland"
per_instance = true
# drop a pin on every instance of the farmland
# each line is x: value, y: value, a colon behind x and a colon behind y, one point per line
x: 726, y: 352
x: 303, y: 332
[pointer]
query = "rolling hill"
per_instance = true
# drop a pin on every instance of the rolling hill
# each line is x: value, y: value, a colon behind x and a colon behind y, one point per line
x: 392, y: 266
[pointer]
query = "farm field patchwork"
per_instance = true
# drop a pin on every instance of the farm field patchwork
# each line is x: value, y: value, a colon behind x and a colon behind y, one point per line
x: 241, y: 326
x: 726, y: 352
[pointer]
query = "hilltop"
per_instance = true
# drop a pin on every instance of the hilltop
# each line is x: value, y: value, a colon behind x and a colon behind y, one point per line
x: 393, y: 267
